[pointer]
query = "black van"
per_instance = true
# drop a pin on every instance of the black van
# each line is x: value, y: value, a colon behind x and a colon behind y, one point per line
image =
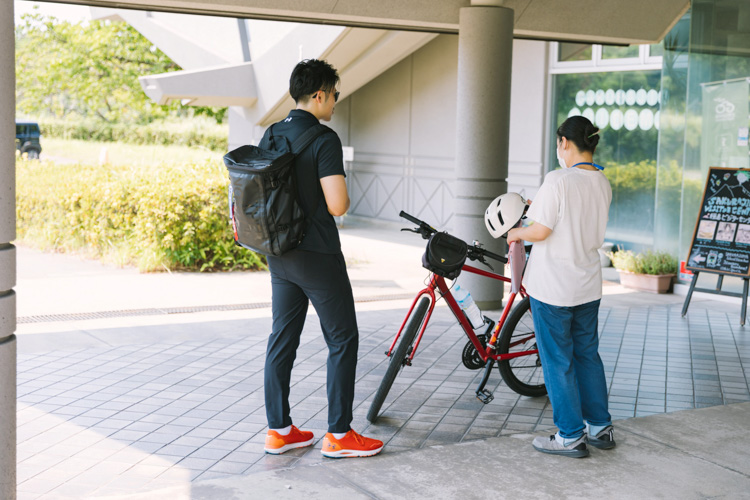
x: 27, y: 139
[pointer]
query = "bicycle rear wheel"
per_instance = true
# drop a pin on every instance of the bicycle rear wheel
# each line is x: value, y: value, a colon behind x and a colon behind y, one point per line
x: 403, y: 349
x: 522, y: 374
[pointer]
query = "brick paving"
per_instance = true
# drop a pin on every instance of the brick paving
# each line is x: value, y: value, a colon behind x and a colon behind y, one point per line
x: 143, y: 415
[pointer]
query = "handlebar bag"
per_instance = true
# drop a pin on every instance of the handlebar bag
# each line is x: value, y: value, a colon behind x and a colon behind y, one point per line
x: 445, y: 255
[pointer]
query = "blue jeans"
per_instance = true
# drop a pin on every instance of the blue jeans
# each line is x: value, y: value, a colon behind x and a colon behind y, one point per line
x: 568, y: 344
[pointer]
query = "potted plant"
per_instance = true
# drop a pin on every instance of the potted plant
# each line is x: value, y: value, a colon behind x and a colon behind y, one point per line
x: 647, y: 271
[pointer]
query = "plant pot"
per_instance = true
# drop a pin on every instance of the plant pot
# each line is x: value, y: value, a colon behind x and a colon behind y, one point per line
x: 652, y: 283
x: 603, y: 251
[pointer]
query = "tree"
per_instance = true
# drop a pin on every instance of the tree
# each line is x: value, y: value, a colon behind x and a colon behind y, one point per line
x: 90, y: 69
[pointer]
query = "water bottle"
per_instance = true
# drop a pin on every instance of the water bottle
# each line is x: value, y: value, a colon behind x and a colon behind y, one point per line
x: 468, y: 306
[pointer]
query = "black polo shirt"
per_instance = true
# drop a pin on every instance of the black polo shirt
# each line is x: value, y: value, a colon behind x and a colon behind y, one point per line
x: 322, y: 158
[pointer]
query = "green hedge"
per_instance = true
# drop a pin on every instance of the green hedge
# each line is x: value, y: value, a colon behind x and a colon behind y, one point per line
x: 158, y: 217
x: 192, y: 132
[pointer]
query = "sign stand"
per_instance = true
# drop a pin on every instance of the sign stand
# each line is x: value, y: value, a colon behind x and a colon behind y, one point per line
x: 721, y: 240
x: 718, y: 291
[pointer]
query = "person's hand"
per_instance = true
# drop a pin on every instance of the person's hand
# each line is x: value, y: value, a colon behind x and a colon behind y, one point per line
x: 513, y: 235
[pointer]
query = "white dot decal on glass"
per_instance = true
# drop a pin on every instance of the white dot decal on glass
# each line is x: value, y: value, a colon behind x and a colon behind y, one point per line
x: 630, y: 97
x: 602, y: 118
x: 653, y: 97
x: 656, y: 119
x: 631, y: 119
x: 589, y: 113
x: 616, y: 119
x: 580, y: 98
x: 620, y: 97
x: 609, y: 97
x: 646, y: 119
x: 590, y: 97
x: 599, y: 97
x: 574, y: 112
x: 640, y: 97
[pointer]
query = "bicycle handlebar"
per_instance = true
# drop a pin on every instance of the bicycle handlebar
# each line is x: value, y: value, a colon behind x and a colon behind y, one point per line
x: 474, y: 252
x: 425, y: 229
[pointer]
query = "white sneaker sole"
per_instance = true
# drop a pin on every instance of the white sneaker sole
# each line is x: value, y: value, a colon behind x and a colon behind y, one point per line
x: 287, y: 447
x: 350, y: 453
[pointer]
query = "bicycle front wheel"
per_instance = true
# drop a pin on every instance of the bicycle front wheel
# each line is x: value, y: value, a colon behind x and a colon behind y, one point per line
x: 522, y: 374
x: 403, y: 349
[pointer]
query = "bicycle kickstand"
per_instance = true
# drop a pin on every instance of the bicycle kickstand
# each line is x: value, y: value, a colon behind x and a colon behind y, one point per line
x: 483, y: 394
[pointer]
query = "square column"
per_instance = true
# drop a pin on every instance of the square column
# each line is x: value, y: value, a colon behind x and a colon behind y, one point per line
x: 7, y: 257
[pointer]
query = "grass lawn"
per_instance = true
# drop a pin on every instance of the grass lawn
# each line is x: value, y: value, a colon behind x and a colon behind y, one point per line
x: 118, y: 153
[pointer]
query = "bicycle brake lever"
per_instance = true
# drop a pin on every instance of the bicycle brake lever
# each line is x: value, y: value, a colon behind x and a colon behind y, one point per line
x: 410, y: 230
x: 483, y: 261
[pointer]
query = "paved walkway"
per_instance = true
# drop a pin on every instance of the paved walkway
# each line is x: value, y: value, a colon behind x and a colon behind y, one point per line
x: 158, y: 405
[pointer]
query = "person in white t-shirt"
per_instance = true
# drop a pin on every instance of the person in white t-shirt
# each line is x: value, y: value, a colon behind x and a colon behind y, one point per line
x: 564, y: 281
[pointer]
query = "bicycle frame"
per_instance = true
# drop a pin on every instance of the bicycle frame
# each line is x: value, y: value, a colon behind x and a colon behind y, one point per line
x: 438, y: 282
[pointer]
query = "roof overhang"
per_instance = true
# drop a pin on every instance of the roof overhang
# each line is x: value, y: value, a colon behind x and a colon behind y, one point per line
x: 594, y: 21
x: 219, y: 86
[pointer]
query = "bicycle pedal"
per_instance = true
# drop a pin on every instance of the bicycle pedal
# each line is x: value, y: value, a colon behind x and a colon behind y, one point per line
x: 485, y: 396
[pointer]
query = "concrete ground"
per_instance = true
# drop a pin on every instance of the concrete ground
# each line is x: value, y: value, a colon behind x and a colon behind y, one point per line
x: 150, y: 386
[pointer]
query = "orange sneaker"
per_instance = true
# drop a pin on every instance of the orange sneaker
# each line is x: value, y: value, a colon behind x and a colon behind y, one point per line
x: 351, y: 445
x: 276, y: 444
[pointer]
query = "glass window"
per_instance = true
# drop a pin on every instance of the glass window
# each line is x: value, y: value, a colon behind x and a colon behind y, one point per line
x: 625, y: 106
x: 716, y: 110
x: 616, y: 52
x: 574, y: 51
x: 656, y: 50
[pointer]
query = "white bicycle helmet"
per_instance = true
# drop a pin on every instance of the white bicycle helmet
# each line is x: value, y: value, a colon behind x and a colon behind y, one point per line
x: 504, y: 213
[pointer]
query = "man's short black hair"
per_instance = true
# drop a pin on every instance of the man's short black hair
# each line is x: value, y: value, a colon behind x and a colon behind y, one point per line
x: 312, y: 75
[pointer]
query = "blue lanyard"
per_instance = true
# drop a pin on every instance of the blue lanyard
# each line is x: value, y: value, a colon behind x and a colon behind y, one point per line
x: 598, y: 167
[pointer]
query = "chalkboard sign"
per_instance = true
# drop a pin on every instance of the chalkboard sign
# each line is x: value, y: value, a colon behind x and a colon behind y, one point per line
x: 721, y: 241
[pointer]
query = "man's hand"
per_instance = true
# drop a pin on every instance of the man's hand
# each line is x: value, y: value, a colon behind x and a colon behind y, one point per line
x: 334, y: 190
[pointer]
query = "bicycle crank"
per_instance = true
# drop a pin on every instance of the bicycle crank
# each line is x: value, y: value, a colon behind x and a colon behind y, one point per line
x: 483, y: 394
x: 470, y: 357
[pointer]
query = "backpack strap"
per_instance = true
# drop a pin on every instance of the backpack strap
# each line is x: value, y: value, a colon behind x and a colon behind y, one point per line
x: 307, y: 137
x: 299, y: 145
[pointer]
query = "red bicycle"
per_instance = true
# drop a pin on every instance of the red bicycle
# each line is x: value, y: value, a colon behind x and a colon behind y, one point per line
x: 510, y: 343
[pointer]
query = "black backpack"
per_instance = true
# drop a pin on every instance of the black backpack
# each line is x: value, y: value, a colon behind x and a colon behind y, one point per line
x: 264, y: 206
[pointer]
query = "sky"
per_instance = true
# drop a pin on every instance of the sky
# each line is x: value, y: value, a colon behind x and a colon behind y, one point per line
x: 65, y: 12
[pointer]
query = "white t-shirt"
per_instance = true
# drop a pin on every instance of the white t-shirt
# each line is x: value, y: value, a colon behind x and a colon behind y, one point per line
x: 564, y: 270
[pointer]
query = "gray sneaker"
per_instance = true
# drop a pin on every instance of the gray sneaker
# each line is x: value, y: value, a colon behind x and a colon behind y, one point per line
x: 576, y: 449
x: 605, y: 440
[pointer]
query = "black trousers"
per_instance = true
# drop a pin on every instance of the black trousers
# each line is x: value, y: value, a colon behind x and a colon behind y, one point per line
x: 296, y: 278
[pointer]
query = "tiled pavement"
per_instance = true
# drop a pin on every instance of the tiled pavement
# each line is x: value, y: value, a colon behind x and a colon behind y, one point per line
x: 138, y: 415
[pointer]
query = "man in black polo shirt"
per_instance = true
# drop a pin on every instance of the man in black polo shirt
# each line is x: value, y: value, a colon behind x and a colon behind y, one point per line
x: 315, y: 271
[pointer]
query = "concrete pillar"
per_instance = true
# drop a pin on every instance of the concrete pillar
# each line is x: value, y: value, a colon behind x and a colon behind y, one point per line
x: 242, y: 128
x: 7, y: 257
x: 485, y: 49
